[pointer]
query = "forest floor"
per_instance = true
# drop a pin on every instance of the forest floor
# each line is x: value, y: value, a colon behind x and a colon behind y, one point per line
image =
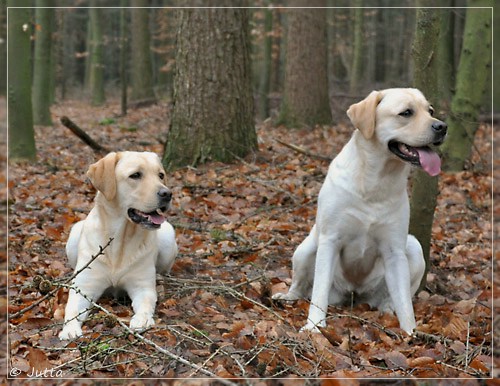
x: 237, y: 227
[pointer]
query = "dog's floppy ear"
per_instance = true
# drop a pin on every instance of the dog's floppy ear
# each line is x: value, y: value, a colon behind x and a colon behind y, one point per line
x: 102, y: 175
x: 362, y: 114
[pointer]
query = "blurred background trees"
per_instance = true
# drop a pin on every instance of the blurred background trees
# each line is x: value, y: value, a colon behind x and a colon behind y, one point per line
x: 306, y: 65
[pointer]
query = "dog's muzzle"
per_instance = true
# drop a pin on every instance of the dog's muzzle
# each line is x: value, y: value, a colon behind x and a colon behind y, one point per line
x: 154, y: 218
x: 422, y: 156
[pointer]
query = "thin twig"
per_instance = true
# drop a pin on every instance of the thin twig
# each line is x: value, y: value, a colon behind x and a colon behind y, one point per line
x: 149, y: 342
x: 51, y: 293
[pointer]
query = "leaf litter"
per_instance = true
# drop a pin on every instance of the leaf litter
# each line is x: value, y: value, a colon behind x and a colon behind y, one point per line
x: 237, y: 226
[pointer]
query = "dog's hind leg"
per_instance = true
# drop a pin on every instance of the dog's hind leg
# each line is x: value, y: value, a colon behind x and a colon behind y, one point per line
x: 72, y: 243
x: 416, y: 262
x: 167, y: 248
x: 303, y: 270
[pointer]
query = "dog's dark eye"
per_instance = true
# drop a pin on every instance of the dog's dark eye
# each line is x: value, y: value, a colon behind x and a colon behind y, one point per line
x: 431, y: 111
x: 161, y: 175
x: 407, y: 113
x: 136, y: 176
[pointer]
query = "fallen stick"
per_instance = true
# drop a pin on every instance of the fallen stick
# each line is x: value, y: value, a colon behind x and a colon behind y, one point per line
x: 303, y: 151
x: 52, y: 292
x: 149, y: 342
x: 75, y: 129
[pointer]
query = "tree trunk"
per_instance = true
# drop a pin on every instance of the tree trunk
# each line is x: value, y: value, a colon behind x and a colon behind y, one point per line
x: 446, y: 55
x: 265, y: 78
x: 306, y: 100
x: 42, y: 69
x: 473, y: 71
x: 356, y: 72
x: 3, y: 47
x: 141, y: 75
x: 96, y: 57
x: 496, y: 60
x: 21, y: 134
x: 213, y: 113
x: 425, y: 187
x: 123, y: 58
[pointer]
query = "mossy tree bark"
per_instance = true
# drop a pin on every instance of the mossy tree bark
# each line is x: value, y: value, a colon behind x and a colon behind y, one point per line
x: 446, y: 56
x: 42, y: 69
x: 20, y: 121
x: 213, y: 112
x: 473, y: 70
x: 305, y: 99
x: 424, y: 187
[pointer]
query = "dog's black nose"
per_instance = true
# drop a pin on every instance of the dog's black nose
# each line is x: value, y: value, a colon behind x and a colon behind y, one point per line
x: 164, y: 194
x: 440, y: 127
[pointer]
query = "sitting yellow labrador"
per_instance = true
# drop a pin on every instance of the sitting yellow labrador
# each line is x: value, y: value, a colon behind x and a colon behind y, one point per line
x: 130, y: 207
x: 360, y: 243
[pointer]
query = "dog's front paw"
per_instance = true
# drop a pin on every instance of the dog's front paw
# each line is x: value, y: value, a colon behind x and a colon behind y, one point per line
x: 70, y: 331
x: 141, y: 321
x: 288, y: 296
x: 312, y: 327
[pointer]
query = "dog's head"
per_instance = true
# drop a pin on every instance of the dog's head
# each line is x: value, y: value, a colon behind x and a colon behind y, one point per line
x: 401, y: 119
x: 133, y: 182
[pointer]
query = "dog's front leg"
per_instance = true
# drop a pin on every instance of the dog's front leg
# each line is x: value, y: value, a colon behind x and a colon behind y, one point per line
x: 77, y: 309
x: 143, y: 303
x: 326, y: 259
x: 397, y: 277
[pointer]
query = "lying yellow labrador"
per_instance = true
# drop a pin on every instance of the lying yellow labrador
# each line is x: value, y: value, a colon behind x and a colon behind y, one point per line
x: 360, y: 242
x: 130, y: 207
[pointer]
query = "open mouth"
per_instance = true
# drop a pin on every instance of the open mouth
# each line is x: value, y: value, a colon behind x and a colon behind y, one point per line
x: 150, y: 220
x: 424, y: 156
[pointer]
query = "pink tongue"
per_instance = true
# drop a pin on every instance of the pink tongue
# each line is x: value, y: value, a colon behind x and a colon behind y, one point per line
x: 429, y: 160
x: 156, y: 219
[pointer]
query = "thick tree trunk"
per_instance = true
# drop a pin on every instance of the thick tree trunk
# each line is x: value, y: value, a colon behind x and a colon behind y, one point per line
x: 425, y: 187
x: 473, y: 70
x: 141, y: 75
x: 306, y: 100
x: 213, y: 113
x: 21, y: 134
x: 446, y: 55
x: 42, y: 69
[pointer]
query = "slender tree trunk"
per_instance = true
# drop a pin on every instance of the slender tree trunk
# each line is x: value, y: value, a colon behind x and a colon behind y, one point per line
x: 96, y: 57
x: 123, y: 58
x: 213, y: 113
x: 277, y: 64
x: 306, y: 100
x: 3, y: 47
x: 141, y: 74
x: 473, y: 70
x: 496, y: 61
x: 358, y: 49
x: 425, y: 187
x: 42, y: 69
x: 20, y: 121
x: 265, y: 78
